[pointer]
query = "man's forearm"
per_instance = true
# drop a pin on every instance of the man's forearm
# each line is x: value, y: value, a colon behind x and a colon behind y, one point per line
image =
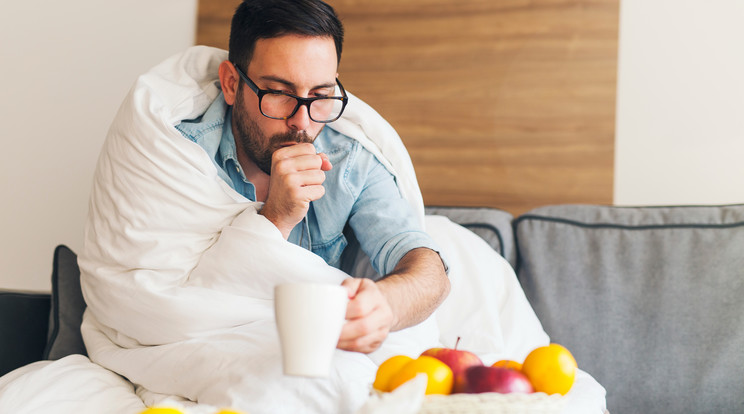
x: 416, y: 287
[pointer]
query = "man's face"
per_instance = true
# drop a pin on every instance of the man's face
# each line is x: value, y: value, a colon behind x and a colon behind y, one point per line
x: 300, y: 65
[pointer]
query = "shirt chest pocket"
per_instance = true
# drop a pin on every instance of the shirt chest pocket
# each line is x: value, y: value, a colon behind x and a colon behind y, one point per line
x: 328, y: 215
x: 327, y: 219
x: 331, y: 251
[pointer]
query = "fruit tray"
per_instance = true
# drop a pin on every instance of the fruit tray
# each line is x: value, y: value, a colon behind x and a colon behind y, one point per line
x: 493, y: 403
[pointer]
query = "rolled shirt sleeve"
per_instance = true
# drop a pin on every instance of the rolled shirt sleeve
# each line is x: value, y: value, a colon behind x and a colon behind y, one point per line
x: 383, y: 222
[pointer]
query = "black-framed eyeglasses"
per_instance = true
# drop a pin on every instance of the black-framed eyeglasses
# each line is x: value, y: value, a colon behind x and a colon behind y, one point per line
x: 281, y: 105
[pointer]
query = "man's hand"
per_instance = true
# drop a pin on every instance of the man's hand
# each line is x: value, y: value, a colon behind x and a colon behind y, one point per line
x: 369, y: 317
x: 401, y: 299
x: 297, y: 175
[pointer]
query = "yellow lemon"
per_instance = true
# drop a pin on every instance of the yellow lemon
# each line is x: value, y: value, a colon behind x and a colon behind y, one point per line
x: 162, y: 410
x: 227, y: 411
x: 387, y: 369
x: 439, y: 375
x: 551, y: 369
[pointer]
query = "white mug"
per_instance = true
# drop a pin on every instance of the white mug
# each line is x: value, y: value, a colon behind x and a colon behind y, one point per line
x: 309, y: 317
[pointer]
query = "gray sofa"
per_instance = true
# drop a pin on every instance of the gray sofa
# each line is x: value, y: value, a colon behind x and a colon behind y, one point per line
x: 650, y: 300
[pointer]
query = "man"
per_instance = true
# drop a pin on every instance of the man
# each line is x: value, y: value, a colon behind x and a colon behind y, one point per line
x: 279, y: 84
x: 220, y: 179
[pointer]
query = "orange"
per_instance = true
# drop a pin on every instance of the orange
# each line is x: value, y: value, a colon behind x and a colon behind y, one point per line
x: 508, y: 363
x: 551, y: 369
x: 161, y: 410
x: 439, y: 375
x: 227, y: 411
x: 387, y: 369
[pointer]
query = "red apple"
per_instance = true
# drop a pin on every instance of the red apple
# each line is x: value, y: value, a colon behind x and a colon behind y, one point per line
x: 458, y: 361
x: 495, y: 379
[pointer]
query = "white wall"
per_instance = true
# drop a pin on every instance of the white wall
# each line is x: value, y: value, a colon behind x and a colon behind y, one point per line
x: 680, y: 112
x: 65, y: 67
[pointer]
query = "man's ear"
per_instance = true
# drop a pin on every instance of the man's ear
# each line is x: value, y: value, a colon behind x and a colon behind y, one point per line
x: 229, y: 81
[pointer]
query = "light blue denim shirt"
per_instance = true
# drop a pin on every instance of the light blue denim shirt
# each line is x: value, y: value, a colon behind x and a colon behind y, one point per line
x: 360, y: 191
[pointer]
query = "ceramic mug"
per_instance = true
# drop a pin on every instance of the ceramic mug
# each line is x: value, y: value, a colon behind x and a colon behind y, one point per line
x: 309, y: 318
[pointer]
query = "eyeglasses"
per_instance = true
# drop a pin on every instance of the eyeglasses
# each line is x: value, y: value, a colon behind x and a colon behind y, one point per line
x: 280, y: 105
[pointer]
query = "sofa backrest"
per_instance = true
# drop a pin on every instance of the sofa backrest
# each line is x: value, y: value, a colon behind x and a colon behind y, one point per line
x: 23, y: 327
x: 36, y: 326
x: 649, y: 300
x: 491, y: 224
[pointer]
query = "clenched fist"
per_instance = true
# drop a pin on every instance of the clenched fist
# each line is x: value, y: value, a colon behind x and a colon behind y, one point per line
x: 297, y: 175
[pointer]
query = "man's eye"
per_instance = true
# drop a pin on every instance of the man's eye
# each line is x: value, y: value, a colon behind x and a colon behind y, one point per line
x: 324, y: 93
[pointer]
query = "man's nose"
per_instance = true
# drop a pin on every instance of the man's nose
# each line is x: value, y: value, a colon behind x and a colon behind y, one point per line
x: 300, y: 121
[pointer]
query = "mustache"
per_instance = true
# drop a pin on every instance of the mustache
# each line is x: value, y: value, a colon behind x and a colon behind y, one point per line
x: 300, y: 137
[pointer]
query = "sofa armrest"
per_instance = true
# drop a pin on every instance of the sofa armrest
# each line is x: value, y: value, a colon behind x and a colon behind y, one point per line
x: 24, y: 321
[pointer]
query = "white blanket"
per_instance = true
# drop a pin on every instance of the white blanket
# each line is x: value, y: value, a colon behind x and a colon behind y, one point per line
x: 178, y: 269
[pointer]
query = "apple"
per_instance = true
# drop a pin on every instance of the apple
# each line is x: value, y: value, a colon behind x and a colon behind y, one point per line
x: 495, y: 379
x: 458, y: 361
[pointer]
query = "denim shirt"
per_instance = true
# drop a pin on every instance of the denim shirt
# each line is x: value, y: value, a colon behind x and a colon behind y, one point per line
x: 360, y: 191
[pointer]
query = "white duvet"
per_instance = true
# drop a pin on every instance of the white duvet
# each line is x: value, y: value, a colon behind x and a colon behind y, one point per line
x: 178, y: 273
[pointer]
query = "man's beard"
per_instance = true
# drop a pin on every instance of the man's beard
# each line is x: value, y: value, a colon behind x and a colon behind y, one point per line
x: 254, y: 143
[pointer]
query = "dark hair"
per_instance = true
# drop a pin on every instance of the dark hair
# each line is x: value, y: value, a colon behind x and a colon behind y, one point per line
x: 266, y: 19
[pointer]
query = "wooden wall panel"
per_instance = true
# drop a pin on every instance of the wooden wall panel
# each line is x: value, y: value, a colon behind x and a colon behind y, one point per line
x: 503, y: 103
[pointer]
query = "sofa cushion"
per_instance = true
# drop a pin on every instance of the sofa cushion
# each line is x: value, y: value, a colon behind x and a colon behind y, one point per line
x: 23, y: 327
x: 649, y: 299
x: 68, y: 305
x: 491, y: 224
